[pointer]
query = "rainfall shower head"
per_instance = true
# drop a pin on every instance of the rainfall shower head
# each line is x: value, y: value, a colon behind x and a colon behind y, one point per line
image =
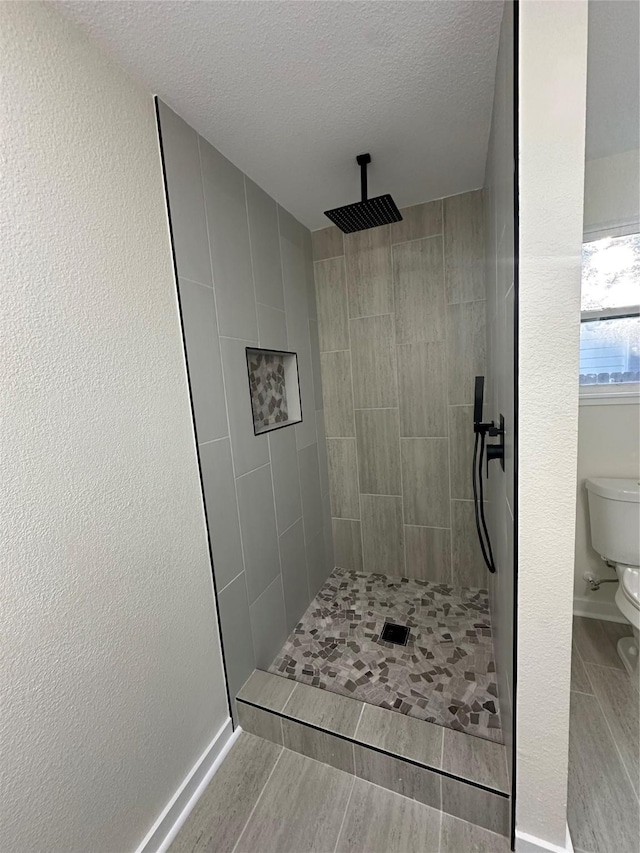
x: 368, y: 213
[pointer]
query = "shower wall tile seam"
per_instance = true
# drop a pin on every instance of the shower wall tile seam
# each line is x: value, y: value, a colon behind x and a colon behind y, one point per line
x: 416, y: 239
x: 195, y: 281
x: 448, y: 418
x: 255, y: 343
x: 222, y: 589
x: 272, y: 307
x: 346, y: 285
x: 253, y: 470
x: 213, y: 440
x: 332, y: 258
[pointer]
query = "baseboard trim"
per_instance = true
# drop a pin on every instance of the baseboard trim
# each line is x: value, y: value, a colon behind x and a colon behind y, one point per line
x: 185, y: 798
x: 526, y: 843
x: 593, y: 609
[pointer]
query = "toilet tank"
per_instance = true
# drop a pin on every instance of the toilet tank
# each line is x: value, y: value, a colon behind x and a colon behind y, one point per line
x: 614, y: 513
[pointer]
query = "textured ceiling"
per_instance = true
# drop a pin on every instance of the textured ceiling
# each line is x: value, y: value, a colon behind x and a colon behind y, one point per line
x: 292, y: 91
x: 613, y: 77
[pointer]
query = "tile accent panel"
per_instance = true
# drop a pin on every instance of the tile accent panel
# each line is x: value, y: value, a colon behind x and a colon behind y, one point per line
x: 401, y: 317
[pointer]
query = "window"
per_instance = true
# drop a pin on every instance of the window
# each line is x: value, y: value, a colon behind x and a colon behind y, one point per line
x: 610, y: 328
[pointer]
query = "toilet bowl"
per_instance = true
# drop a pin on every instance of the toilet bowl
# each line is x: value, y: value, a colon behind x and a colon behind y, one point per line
x: 614, y: 514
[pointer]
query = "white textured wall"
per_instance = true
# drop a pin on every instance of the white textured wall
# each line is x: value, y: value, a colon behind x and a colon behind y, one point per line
x: 112, y: 683
x: 499, y: 381
x: 552, y: 103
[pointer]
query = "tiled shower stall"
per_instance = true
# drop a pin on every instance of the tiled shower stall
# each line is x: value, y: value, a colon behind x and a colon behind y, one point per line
x: 401, y: 322
x: 245, y: 279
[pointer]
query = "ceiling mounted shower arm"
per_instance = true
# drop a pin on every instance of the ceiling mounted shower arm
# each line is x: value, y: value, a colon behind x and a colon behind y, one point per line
x: 363, y: 161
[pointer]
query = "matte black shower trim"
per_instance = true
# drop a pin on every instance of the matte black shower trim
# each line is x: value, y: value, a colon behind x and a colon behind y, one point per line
x: 368, y: 213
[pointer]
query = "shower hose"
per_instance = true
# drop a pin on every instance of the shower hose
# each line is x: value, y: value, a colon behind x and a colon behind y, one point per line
x: 478, y: 502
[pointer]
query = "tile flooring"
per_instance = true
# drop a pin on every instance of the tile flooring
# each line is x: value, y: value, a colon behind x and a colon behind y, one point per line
x: 444, y: 675
x: 266, y: 798
x: 604, y: 748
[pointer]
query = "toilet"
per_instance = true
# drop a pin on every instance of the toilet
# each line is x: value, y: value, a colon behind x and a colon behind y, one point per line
x: 614, y: 513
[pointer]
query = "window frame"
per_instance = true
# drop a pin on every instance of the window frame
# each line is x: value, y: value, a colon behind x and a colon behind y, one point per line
x: 598, y: 395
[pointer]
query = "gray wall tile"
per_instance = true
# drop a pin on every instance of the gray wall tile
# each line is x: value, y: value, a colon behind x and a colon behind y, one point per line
x: 396, y: 775
x: 184, y: 184
x: 462, y: 438
x: 295, y: 581
x: 310, y: 490
x: 418, y: 221
x: 229, y: 240
x: 316, y: 563
x: 327, y: 243
x: 337, y: 394
x: 249, y: 450
x: 265, y: 246
x: 222, y: 511
x: 258, y: 528
x: 272, y: 328
x: 306, y: 431
x: 347, y: 542
x: 368, y: 266
x: 322, y: 454
x: 261, y: 723
x: 378, y: 436
x: 327, y: 528
x: 425, y: 481
x: 236, y: 634
x: 428, y: 553
x: 203, y: 355
x: 312, y: 308
x: 465, y: 349
x: 373, y: 359
x: 382, y: 534
x: 467, y: 565
x: 419, y: 291
x: 343, y: 477
x: 475, y: 805
x: 422, y: 389
x: 401, y: 735
x: 464, y: 247
x: 315, y: 364
x: 268, y: 624
x: 294, y: 277
x: 286, y: 482
x: 331, y: 298
x: 322, y: 746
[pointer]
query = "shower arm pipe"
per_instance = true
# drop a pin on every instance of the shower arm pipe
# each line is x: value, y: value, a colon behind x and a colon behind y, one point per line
x: 363, y: 161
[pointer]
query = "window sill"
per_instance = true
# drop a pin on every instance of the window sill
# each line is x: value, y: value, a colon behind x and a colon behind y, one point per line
x: 594, y: 395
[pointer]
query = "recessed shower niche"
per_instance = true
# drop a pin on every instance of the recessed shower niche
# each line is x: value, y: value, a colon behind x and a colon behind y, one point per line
x: 274, y: 388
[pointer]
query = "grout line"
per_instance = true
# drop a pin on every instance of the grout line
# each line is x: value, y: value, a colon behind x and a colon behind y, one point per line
x: 375, y: 408
x: 424, y: 437
x: 353, y: 412
x: 418, y: 239
x: 294, y: 685
x: 254, y: 343
x: 330, y: 351
x: 427, y: 527
x: 355, y: 734
x: 346, y: 809
x: 255, y: 805
x: 371, y: 316
x: 213, y: 441
x: 446, y: 355
x: 376, y: 495
x: 339, y: 518
x: 182, y: 278
x: 299, y: 518
x: 440, y: 828
x: 266, y: 305
x: 332, y: 258
x: 230, y: 582
x: 253, y: 470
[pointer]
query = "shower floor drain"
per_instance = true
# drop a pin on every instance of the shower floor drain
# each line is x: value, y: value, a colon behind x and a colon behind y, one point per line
x: 392, y: 633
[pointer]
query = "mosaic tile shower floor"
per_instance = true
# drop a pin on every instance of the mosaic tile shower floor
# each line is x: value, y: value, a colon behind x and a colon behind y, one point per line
x: 446, y: 672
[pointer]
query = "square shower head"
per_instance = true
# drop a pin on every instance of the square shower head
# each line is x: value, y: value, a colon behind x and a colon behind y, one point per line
x: 381, y: 210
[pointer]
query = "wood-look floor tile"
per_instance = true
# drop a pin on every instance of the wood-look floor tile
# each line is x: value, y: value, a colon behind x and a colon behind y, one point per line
x: 269, y: 691
x: 301, y: 808
x: 401, y: 735
x: 579, y: 678
x: 329, y: 711
x: 459, y: 836
x: 602, y: 808
x: 221, y: 812
x: 619, y: 700
x: 597, y: 640
x: 475, y: 759
x: 379, y: 821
